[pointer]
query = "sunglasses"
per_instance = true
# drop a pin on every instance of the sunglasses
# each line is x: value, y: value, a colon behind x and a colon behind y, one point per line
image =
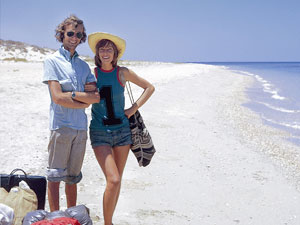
x: 78, y: 34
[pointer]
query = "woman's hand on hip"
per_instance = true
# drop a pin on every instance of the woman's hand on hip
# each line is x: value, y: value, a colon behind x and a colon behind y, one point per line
x: 129, y: 112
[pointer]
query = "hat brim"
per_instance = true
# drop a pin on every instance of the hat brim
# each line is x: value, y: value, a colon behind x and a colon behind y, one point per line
x: 94, y: 38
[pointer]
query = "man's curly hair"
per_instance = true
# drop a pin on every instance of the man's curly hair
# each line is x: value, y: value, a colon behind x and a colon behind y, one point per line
x: 60, y: 29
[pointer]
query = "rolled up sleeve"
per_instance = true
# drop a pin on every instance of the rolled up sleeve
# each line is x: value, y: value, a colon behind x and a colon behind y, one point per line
x: 49, y: 71
x: 90, y: 77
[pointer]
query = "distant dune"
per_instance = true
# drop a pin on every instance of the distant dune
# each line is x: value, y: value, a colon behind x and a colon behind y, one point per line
x: 17, y: 51
x: 22, y: 52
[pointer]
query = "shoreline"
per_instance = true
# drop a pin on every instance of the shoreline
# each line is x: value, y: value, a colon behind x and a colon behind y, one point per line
x: 265, y: 78
x: 269, y: 140
x: 216, y: 163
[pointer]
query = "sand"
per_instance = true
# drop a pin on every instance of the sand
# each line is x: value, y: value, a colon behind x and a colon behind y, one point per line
x: 216, y: 163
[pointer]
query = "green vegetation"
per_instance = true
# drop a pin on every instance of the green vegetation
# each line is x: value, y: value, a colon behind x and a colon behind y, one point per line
x: 12, y: 46
x: 15, y: 59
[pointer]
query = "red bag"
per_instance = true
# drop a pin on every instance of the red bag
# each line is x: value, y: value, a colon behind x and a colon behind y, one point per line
x: 58, y: 221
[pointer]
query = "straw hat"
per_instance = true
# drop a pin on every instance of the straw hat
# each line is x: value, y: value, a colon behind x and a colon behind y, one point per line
x: 94, y: 38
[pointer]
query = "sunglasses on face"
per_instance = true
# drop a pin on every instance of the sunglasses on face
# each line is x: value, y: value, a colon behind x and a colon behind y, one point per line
x: 78, y: 34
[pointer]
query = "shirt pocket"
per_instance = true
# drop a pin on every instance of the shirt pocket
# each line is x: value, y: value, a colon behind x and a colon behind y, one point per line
x: 66, y: 85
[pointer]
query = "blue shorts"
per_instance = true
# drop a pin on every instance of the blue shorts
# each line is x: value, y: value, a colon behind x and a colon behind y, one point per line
x: 111, y: 138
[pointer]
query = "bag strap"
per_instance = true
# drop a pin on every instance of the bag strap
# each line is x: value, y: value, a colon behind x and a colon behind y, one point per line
x: 11, y: 175
x: 128, y: 87
x: 15, y: 170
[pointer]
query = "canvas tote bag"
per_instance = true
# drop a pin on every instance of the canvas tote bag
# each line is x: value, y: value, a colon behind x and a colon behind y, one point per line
x: 142, y: 145
x: 21, y: 199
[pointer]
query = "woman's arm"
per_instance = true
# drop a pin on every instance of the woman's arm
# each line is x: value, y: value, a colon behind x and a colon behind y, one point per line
x: 90, y: 94
x: 90, y: 87
x: 131, y: 76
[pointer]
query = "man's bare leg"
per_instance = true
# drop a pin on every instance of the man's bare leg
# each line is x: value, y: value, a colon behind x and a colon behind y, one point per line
x: 71, y: 194
x: 53, y: 195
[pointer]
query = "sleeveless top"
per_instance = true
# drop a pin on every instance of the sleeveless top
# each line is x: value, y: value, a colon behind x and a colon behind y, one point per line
x: 109, y: 114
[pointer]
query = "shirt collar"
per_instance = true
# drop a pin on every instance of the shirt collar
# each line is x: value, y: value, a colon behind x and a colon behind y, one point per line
x: 66, y: 53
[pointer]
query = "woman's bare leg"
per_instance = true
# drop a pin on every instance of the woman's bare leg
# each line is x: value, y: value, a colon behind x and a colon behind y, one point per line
x: 112, y: 164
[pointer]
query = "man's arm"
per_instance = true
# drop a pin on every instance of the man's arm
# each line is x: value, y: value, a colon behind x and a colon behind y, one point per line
x: 64, y: 98
x: 89, y: 96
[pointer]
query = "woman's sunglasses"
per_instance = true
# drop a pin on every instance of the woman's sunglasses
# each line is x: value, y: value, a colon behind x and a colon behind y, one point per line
x: 78, y: 34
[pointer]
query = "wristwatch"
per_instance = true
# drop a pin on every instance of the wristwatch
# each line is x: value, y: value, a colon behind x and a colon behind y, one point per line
x: 73, y: 94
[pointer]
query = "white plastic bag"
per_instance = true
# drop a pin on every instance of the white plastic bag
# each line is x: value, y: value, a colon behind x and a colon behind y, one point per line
x: 6, y: 215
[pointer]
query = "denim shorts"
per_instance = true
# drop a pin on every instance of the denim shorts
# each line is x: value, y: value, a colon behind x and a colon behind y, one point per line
x: 111, y: 138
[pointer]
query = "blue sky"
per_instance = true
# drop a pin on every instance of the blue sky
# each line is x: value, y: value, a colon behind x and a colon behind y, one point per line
x: 167, y: 30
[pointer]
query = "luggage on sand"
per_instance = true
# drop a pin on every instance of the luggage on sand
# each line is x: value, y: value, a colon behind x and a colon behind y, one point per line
x: 80, y: 213
x: 6, y: 215
x: 21, y: 199
x: 36, y: 183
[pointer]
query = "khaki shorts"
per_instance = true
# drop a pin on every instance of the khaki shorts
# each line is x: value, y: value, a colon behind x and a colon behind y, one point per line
x: 66, y: 153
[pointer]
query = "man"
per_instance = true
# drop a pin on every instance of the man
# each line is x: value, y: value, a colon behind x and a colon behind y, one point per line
x: 66, y: 76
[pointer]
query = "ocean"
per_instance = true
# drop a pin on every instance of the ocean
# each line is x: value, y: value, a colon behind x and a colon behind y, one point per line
x: 275, y: 93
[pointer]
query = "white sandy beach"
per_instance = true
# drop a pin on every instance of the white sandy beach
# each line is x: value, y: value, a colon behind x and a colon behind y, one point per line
x: 216, y: 163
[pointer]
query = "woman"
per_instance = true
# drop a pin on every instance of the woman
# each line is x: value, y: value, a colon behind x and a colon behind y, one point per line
x: 109, y: 129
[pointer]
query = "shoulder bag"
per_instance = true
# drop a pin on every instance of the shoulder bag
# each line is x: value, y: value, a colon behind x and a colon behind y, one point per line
x: 142, y: 146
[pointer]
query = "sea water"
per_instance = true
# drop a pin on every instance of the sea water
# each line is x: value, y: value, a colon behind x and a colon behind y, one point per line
x: 275, y: 94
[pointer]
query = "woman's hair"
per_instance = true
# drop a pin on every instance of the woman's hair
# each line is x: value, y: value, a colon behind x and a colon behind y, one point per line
x: 106, y: 43
x: 60, y: 29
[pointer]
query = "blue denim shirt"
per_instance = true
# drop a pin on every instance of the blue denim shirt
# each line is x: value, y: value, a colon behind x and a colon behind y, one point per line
x: 72, y: 74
